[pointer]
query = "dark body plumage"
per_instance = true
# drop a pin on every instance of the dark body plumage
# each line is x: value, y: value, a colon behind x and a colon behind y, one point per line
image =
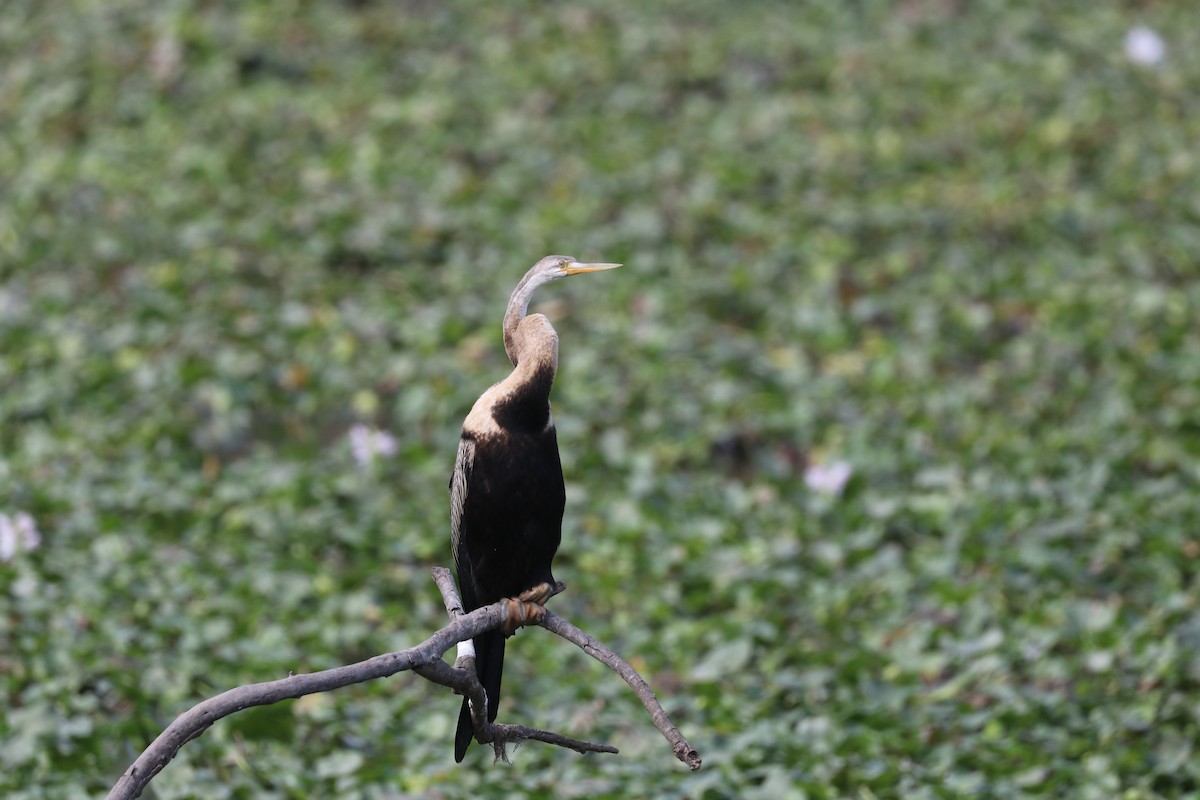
x: 506, y: 492
x: 510, y: 528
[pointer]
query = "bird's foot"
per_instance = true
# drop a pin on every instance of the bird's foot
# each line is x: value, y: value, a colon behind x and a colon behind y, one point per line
x: 538, y: 594
x: 526, y: 608
x: 518, y: 613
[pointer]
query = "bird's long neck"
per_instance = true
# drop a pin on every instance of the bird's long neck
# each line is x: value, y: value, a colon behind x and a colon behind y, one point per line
x: 534, y: 349
x: 521, y: 402
x: 518, y: 306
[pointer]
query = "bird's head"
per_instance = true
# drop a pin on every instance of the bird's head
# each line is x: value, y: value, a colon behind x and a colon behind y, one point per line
x: 552, y: 268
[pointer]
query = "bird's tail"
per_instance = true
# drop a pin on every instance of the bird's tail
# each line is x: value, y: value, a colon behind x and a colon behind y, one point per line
x: 466, y: 732
x: 489, y: 665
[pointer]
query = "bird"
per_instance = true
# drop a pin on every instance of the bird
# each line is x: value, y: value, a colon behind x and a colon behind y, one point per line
x: 506, y: 492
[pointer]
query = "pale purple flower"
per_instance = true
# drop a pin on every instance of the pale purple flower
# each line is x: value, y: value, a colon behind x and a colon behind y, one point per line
x: 18, y: 533
x: 368, y: 443
x: 828, y: 478
x: 1144, y: 46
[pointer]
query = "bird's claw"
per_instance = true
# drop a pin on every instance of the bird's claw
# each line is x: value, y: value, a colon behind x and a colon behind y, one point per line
x: 526, y: 608
x: 538, y: 594
x: 517, y: 614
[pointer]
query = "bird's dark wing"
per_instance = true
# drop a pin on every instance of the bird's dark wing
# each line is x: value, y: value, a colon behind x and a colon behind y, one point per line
x: 489, y: 647
x: 506, y: 510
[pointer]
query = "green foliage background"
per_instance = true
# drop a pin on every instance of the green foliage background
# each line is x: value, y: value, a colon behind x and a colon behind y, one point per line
x: 953, y: 244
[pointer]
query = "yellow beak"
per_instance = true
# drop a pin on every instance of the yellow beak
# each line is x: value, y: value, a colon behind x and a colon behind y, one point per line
x: 575, y: 268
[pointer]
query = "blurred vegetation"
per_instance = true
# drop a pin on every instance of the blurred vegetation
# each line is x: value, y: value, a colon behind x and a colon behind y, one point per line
x: 951, y: 244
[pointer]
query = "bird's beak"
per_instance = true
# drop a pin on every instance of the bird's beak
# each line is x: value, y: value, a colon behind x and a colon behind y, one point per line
x: 575, y: 268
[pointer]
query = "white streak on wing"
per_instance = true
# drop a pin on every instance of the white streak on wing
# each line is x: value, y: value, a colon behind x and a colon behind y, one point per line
x: 458, y: 488
x: 465, y: 649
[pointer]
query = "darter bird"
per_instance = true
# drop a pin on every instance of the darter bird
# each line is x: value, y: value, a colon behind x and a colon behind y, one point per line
x: 506, y: 492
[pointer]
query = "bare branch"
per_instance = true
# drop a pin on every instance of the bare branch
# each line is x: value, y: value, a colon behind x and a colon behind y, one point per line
x: 683, y: 749
x: 200, y: 717
x: 445, y: 584
x: 464, y: 681
x: 426, y: 660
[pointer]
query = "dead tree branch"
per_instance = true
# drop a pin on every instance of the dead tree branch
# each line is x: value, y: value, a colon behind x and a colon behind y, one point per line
x: 683, y: 749
x: 426, y: 660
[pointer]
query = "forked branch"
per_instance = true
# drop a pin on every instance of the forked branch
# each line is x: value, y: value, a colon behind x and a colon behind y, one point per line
x: 426, y: 660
